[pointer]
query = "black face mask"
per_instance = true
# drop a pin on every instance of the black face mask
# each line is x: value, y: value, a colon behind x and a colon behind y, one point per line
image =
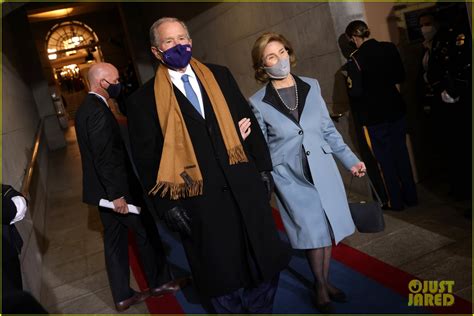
x: 113, y: 89
x: 346, y: 45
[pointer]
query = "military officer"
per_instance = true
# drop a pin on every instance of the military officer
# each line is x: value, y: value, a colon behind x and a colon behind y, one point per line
x: 449, y: 74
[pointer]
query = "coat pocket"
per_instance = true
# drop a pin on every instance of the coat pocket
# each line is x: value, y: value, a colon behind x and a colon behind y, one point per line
x: 326, y: 148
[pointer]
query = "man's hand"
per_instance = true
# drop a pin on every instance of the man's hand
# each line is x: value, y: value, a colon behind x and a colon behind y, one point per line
x: 244, y: 126
x: 178, y: 220
x: 269, y: 183
x: 120, y: 206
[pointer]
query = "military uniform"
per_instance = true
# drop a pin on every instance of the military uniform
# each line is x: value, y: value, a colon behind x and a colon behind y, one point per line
x: 449, y: 75
x: 449, y: 67
x: 353, y: 75
x: 383, y: 112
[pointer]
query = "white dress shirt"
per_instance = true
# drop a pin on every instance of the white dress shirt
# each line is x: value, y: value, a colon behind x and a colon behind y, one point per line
x: 176, y: 79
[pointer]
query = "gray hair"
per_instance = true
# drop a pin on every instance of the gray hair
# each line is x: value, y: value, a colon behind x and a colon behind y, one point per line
x: 154, y: 39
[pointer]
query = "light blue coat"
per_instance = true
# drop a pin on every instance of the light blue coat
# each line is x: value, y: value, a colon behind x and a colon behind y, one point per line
x: 304, y: 207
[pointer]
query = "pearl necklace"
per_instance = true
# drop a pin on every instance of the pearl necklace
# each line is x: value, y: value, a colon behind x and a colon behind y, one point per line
x: 281, y: 99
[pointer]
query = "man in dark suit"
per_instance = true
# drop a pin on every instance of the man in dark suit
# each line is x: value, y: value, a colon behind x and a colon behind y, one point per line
x: 108, y: 176
x: 205, y: 181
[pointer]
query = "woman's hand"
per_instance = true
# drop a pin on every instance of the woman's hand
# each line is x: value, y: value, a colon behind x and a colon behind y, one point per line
x: 244, y: 126
x: 358, y: 170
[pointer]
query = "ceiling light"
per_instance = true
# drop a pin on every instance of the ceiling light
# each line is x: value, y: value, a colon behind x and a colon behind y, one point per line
x: 59, y: 13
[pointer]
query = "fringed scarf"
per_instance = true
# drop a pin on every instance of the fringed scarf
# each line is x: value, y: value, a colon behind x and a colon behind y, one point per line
x: 179, y: 174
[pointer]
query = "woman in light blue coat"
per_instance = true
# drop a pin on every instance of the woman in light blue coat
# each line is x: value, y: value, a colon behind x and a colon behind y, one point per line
x: 303, y: 140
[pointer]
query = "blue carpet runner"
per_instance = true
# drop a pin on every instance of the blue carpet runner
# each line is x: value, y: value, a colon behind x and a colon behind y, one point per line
x: 372, y: 286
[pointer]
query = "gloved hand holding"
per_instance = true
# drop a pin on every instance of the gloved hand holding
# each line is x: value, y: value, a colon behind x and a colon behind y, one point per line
x: 178, y: 220
x: 269, y: 183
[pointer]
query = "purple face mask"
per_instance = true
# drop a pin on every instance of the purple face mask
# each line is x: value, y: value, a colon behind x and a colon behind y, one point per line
x: 177, y: 57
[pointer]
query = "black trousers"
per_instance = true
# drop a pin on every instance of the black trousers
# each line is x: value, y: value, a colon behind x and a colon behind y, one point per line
x: 452, y: 131
x: 11, y: 268
x: 389, y: 145
x: 11, y: 275
x: 116, y: 253
x: 369, y: 160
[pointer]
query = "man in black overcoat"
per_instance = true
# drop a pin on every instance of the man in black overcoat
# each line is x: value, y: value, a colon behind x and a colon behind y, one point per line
x: 227, y: 229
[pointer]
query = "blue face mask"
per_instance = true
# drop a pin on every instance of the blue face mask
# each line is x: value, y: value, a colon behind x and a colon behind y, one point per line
x: 177, y: 57
x: 113, y: 89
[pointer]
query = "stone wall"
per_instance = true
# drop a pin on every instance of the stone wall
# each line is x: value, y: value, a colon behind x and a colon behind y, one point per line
x: 23, y: 103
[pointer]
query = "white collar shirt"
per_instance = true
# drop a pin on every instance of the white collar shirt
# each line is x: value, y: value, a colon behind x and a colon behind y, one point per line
x: 176, y: 79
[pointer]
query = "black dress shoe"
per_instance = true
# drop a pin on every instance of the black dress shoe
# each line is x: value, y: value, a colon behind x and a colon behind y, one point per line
x: 171, y: 287
x: 339, y: 297
x: 136, y: 298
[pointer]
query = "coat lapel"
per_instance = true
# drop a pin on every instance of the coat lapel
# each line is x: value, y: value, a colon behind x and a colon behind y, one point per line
x: 303, y: 90
x: 186, y: 107
x: 272, y: 98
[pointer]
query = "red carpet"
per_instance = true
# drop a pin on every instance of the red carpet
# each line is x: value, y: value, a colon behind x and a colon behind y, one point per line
x: 383, y: 273
x: 167, y: 304
x: 390, y: 277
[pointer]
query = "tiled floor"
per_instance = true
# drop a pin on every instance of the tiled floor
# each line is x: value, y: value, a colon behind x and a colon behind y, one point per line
x: 430, y: 241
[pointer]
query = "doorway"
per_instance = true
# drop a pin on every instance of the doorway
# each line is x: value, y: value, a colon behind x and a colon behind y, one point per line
x: 72, y: 47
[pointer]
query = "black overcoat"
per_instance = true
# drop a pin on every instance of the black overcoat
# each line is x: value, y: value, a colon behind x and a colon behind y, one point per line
x: 232, y: 224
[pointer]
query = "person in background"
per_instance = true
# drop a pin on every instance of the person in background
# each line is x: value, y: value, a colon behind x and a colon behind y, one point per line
x: 302, y: 139
x: 108, y: 176
x: 14, y: 299
x: 428, y: 27
x: 383, y: 111
x: 14, y: 207
x: 353, y: 76
x: 448, y: 72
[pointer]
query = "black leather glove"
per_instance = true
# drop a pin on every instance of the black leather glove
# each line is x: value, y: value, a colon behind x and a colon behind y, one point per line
x: 268, y: 182
x: 178, y: 220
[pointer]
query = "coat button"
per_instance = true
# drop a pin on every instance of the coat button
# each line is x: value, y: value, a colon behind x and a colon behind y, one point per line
x: 225, y: 188
x: 307, y: 153
x: 300, y: 132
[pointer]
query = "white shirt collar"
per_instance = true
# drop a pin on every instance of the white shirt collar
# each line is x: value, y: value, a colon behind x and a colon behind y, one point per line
x: 103, y: 99
x: 176, y: 75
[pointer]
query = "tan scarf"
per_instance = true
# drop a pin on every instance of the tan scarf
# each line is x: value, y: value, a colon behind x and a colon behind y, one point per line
x: 179, y: 173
